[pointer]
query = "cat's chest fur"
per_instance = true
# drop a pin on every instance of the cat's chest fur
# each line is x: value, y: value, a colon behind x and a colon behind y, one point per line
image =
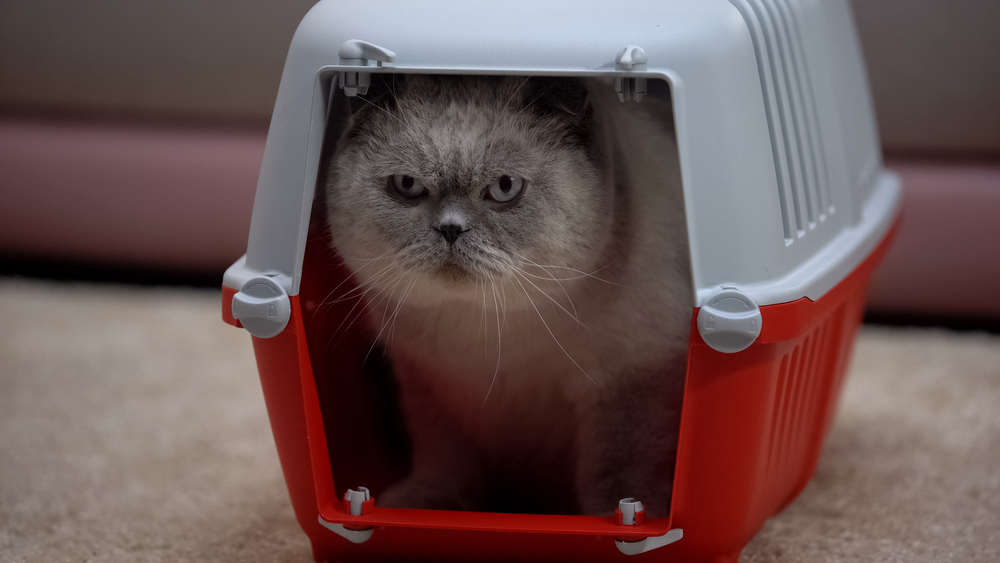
x: 518, y: 410
x: 576, y: 341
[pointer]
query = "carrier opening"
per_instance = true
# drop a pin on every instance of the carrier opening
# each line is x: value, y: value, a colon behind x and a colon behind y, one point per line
x: 496, y: 292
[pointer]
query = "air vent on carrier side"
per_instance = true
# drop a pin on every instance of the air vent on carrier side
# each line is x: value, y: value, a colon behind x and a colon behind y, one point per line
x: 800, y: 160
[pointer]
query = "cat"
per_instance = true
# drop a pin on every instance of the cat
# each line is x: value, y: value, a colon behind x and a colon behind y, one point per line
x: 523, y: 249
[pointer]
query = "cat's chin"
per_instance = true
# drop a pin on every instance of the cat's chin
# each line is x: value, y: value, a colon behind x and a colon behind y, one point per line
x: 454, y: 275
x: 437, y: 288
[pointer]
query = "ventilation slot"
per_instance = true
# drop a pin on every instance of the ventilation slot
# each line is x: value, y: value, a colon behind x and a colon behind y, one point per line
x: 796, y: 417
x: 800, y: 167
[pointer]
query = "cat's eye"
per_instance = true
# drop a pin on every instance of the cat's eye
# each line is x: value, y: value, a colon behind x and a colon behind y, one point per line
x: 408, y: 186
x: 505, y: 188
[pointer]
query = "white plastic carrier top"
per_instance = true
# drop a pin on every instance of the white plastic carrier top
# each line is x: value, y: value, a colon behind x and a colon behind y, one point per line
x: 783, y: 185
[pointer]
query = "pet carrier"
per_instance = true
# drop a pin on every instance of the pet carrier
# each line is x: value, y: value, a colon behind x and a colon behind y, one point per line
x: 788, y: 211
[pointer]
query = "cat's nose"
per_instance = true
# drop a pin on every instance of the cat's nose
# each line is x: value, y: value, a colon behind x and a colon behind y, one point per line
x: 450, y: 232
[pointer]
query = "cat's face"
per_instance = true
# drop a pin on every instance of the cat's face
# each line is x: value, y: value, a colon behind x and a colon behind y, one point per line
x: 456, y: 181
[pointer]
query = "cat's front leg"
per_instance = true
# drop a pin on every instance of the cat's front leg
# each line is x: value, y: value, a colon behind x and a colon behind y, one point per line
x: 447, y: 472
x: 627, y: 442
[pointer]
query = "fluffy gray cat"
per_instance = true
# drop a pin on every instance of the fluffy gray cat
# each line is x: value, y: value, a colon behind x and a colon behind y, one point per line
x: 522, y: 248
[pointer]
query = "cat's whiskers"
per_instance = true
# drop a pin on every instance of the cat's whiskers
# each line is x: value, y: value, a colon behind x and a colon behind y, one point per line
x: 524, y: 275
x: 546, y: 325
x: 399, y: 104
x: 370, y: 305
x: 372, y: 285
x: 516, y: 91
x: 358, y: 292
x: 496, y: 370
x: 326, y: 300
x: 387, y: 277
x: 362, y: 287
x: 376, y: 284
x: 581, y: 273
x: 482, y: 316
x: 496, y: 309
x: 369, y: 286
x: 505, y: 261
x: 399, y: 304
x: 382, y: 109
x: 575, y: 315
x: 344, y: 257
x: 402, y: 300
x: 503, y: 292
x: 388, y: 298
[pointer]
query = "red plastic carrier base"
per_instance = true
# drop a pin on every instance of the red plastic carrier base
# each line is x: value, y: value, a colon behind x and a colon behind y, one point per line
x: 751, y: 431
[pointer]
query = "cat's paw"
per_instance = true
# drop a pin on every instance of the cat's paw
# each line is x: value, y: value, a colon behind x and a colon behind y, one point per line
x: 429, y: 494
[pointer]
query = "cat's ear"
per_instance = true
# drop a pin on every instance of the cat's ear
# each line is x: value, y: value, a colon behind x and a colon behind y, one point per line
x: 561, y: 96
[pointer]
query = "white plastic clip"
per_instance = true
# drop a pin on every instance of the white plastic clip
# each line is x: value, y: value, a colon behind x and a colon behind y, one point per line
x: 353, y: 536
x: 649, y: 544
x: 355, y: 52
x: 630, y: 508
x: 633, y: 513
x: 354, y: 500
x: 631, y: 58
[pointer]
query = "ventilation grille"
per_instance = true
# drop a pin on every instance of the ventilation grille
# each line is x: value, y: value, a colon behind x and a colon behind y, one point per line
x: 804, y: 379
x: 777, y: 28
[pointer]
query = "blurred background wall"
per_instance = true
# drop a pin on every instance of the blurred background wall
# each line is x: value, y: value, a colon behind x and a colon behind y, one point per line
x: 131, y: 133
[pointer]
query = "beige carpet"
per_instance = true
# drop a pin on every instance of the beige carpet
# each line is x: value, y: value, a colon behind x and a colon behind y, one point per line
x: 132, y: 428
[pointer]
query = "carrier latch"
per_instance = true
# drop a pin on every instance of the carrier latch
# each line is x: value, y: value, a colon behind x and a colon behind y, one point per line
x: 631, y: 58
x: 631, y: 512
x: 356, y: 503
x: 729, y: 321
x: 262, y: 307
x: 355, y: 52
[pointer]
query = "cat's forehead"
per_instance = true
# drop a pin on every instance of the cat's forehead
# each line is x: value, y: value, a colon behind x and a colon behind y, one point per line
x: 483, y: 107
x: 468, y: 153
x: 467, y: 127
